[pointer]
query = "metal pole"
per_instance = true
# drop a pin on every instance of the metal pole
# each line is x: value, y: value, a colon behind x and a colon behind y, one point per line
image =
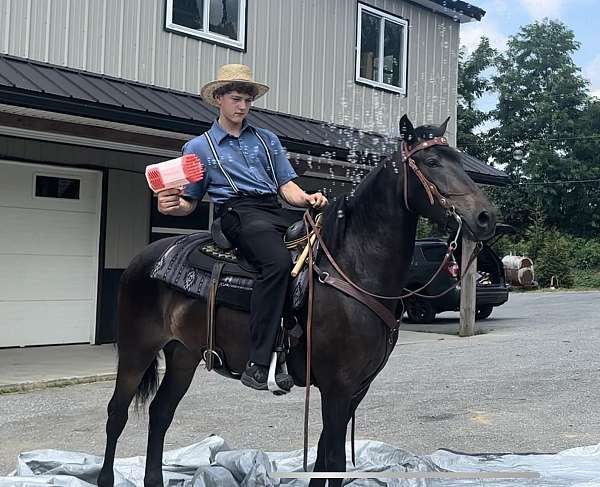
x: 468, y: 291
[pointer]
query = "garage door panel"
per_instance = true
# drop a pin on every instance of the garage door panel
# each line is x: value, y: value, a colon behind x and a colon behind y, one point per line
x: 38, y: 277
x: 61, y: 233
x: 48, y: 254
x: 55, y: 322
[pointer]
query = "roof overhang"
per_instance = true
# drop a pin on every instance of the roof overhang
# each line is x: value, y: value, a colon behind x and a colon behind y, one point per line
x: 460, y: 11
x: 61, y: 104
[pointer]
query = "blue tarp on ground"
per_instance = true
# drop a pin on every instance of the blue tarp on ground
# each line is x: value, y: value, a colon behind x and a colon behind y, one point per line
x: 211, y: 463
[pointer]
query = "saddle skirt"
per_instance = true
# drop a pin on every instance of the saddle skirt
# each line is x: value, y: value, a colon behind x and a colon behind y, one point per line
x: 187, y: 265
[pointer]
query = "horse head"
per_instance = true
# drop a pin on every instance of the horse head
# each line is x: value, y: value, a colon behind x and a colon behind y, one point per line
x: 436, y: 185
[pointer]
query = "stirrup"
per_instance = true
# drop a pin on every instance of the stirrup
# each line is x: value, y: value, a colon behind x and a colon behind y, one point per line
x: 271, y: 382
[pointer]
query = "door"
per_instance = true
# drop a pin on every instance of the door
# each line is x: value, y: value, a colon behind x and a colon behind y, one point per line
x: 49, y: 236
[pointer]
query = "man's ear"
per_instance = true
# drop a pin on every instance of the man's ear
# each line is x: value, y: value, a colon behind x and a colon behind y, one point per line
x: 407, y: 131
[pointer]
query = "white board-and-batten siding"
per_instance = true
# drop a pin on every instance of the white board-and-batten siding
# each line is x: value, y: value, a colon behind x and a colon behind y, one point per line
x: 304, y: 49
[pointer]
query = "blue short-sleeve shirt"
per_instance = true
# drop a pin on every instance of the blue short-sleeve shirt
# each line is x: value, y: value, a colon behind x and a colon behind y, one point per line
x: 241, y: 160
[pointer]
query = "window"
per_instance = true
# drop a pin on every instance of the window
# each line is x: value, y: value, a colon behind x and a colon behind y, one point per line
x: 381, y: 49
x: 219, y: 21
x: 56, y: 187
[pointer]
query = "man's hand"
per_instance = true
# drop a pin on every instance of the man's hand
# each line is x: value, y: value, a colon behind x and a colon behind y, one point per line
x: 316, y: 200
x: 171, y: 203
x: 296, y: 196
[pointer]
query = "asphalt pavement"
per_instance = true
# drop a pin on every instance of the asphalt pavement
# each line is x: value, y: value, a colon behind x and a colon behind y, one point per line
x: 527, y: 383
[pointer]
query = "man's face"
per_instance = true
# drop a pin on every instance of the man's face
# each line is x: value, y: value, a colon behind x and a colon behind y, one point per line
x: 235, y: 106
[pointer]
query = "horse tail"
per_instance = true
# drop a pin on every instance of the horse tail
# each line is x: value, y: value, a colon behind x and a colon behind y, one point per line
x: 148, y: 385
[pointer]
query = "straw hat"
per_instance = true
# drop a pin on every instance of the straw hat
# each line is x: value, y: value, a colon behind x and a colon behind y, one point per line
x: 230, y: 73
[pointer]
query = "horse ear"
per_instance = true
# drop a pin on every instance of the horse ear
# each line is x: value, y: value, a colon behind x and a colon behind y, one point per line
x: 407, y: 131
x: 442, y: 127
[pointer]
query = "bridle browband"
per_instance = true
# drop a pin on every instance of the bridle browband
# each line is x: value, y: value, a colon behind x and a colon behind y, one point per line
x: 406, y: 153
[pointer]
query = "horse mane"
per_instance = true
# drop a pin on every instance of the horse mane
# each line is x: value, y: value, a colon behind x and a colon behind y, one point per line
x: 356, y: 209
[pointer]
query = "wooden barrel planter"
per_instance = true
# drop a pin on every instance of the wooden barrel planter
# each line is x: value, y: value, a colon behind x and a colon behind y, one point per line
x: 518, y: 270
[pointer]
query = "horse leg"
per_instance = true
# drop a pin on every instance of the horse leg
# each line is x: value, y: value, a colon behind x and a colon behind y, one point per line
x: 331, y: 453
x: 130, y: 372
x: 180, y: 367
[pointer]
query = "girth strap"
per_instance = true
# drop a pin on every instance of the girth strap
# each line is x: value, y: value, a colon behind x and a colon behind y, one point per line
x: 211, y: 312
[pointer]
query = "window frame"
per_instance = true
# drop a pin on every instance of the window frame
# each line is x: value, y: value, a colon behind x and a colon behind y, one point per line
x: 37, y: 174
x: 206, y: 35
x: 362, y: 7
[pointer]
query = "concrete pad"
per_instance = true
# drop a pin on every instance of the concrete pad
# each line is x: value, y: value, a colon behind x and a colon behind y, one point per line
x: 23, y: 369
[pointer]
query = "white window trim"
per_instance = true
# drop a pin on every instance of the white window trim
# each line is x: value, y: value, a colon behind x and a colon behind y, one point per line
x: 397, y: 20
x: 206, y: 34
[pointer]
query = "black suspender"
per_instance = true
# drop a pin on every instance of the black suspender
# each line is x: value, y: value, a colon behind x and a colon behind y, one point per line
x: 216, y: 156
x: 213, y: 149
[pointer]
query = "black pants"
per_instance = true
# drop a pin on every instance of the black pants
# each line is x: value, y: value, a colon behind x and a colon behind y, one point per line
x: 256, y: 226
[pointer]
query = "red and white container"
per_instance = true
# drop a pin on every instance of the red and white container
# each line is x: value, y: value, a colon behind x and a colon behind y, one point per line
x: 174, y: 173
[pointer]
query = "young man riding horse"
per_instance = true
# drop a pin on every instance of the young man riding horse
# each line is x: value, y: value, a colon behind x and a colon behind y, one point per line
x: 246, y: 168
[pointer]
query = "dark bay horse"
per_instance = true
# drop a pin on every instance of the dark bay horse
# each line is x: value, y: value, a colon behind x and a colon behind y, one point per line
x: 371, y: 236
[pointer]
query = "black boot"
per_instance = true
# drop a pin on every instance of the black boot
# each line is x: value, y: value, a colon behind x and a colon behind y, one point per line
x: 255, y: 376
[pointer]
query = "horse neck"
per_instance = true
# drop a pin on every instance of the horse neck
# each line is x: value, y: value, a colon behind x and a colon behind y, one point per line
x: 380, y: 238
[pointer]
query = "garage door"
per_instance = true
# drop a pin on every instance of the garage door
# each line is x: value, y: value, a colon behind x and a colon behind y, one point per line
x: 49, y: 234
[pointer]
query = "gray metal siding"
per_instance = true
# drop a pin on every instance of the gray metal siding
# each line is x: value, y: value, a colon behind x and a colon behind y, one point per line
x: 127, y: 218
x: 304, y: 49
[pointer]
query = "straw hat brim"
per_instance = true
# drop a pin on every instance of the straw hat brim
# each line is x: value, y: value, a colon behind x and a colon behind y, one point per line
x: 208, y: 90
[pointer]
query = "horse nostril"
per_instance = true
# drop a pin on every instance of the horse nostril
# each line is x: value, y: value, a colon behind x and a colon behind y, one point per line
x: 483, y: 219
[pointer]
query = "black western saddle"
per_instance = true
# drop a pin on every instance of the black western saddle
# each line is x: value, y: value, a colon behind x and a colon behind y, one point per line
x: 205, y: 265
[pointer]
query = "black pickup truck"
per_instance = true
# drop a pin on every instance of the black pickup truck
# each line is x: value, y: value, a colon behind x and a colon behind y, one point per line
x: 429, y: 253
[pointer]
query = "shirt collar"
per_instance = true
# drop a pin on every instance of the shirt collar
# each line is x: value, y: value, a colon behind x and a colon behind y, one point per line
x: 219, y: 133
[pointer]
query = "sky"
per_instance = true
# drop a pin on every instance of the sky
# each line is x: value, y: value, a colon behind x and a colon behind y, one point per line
x: 504, y: 18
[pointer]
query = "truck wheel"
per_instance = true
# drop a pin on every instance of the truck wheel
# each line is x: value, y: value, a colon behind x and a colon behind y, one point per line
x: 420, y: 310
x: 483, y: 312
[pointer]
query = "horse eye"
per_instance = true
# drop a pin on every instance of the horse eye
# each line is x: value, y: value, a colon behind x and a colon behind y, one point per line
x: 433, y: 162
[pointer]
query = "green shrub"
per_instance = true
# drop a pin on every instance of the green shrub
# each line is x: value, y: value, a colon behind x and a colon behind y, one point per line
x: 554, y: 259
x: 586, y: 253
x: 551, y: 252
x: 586, y: 278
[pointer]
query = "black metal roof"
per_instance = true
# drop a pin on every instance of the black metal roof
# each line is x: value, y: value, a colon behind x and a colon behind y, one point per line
x: 486, y: 174
x: 33, y: 84
x: 461, y: 7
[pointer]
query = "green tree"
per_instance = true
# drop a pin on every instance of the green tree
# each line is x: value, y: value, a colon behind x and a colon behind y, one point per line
x: 541, y: 108
x: 586, y: 157
x: 472, y: 85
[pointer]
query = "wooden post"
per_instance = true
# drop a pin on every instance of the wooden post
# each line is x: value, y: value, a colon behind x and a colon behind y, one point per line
x: 468, y: 291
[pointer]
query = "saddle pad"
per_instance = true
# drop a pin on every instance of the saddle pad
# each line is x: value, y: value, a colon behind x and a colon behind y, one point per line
x: 187, y: 266
x: 175, y: 269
